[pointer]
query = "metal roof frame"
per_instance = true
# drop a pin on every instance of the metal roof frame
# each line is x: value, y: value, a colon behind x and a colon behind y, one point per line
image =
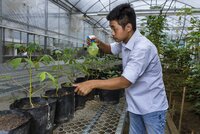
x: 96, y: 16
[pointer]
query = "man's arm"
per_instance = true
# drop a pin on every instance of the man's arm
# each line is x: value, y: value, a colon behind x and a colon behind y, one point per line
x: 109, y: 84
x: 103, y: 46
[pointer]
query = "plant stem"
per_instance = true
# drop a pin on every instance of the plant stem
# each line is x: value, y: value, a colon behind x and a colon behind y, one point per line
x: 30, y: 84
x: 57, y: 92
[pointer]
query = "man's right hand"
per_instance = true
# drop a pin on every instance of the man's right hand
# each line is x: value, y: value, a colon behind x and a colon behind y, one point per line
x: 104, y: 47
x: 93, y: 38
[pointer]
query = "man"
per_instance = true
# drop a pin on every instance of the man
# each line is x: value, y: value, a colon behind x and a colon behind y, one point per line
x: 141, y: 77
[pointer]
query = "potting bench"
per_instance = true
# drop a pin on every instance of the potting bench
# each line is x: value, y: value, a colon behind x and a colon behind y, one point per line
x: 96, y: 118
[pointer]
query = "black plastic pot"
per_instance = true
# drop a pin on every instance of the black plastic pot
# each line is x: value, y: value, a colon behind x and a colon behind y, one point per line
x: 40, y: 113
x: 80, y: 100
x: 52, y: 108
x: 90, y: 96
x: 64, y: 105
x: 109, y: 96
x: 22, y: 128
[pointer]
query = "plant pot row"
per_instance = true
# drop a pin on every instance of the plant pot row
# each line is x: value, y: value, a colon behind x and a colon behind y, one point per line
x: 41, y: 118
x: 49, y: 111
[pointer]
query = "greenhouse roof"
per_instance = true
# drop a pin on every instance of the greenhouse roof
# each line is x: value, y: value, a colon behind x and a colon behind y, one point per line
x: 95, y: 11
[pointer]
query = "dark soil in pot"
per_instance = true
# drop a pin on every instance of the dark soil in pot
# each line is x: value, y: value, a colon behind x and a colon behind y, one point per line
x: 64, y: 105
x: 14, y: 122
x: 39, y: 113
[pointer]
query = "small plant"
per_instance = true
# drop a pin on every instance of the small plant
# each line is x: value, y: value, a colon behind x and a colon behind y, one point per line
x: 58, y: 67
x: 30, y: 63
x: 93, y: 66
x: 71, y: 64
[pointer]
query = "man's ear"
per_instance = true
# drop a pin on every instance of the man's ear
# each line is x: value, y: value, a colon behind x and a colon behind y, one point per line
x: 129, y: 27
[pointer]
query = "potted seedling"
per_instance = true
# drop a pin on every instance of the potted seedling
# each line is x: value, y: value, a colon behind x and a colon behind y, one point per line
x: 90, y: 67
x: 95, y: 66
x: 36, y: 106
x: 110, y: 96
x: 12, y: 121
x: 64, y: 96
x: 71, y: 72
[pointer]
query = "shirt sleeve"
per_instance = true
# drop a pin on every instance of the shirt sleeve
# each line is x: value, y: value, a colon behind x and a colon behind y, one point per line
x: 138, y: 61
x: 115, y: 48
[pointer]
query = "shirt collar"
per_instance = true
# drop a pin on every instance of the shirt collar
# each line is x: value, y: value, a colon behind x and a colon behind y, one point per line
x: 129, y: 45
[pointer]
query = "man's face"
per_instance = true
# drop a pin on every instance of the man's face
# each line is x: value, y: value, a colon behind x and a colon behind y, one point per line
x: 119, y: 34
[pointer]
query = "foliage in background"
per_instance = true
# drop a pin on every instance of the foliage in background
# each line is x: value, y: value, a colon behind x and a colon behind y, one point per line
x: 181, y: 61
x: 193, y: 84
x: 177, y: 58
x: 153, y: 29
x: 193, y: 80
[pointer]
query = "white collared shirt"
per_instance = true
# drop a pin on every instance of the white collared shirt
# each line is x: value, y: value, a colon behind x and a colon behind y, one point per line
x: 142, y: 67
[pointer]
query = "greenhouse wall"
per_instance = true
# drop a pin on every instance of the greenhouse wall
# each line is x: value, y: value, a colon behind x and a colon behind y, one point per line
x: 43, y: 22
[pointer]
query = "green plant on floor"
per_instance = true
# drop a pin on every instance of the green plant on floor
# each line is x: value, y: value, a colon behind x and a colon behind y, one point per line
x: 176, y: 63
x: 31, y: 64
x: 192, y: 39
x: 193, y: 85
x: 177, y: 57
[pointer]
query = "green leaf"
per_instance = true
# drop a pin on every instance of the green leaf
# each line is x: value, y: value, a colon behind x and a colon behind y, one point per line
x: 29, y: 62
x: 15, y: 62
x: 36, y: 65
x: 46, y: 59
x: 17, y: 46
x: 58, y: 52
x: 32, y: 47
x: 50, y: 76
x: 190, y: 28
x: 42, y: 76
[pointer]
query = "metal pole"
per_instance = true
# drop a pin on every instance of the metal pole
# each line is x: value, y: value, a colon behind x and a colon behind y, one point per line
x: 59, y: 27
x: 69, y: 29
x: 170, y: 98
x: 1, y: 33
x: 84, y: 35
x: 27, y: 17
x: 182, y: 105
x: 46, y: 26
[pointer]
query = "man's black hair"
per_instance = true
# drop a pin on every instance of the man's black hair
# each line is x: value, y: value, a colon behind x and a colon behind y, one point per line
x: 123, y: 14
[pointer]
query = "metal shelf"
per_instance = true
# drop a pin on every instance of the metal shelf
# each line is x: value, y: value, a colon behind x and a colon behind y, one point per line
x: 96, y: 118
